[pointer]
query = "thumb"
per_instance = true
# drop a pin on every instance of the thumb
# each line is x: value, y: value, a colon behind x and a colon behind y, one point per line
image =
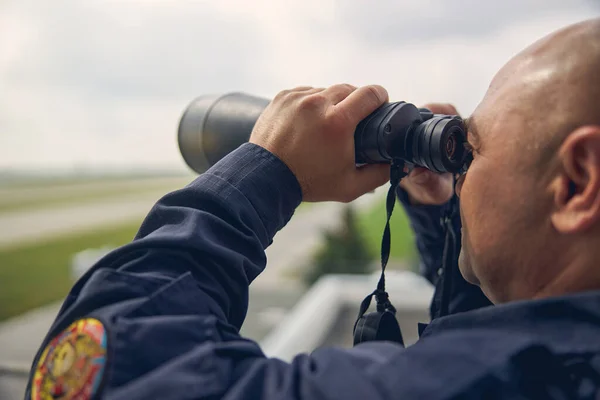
x: 366, y: 179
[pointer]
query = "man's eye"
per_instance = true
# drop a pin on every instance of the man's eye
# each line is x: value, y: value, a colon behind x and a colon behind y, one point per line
x: 468, y: 147
x: 468, y: 160
x: 470, y: 151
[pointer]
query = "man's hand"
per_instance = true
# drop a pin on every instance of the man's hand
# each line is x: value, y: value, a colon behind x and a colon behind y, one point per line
x: 312, y: 131
x: 427, y: 187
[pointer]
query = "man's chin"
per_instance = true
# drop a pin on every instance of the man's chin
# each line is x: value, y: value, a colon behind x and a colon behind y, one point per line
x: 465, y: 268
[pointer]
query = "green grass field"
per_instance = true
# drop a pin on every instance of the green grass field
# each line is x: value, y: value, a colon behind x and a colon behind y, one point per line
x: 34, y: 275
x: 36, y: 203
x: 37, y: 274
x: 372, y: 223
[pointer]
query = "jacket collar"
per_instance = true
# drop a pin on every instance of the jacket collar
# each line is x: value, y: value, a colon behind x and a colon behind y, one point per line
x: 567, y: 324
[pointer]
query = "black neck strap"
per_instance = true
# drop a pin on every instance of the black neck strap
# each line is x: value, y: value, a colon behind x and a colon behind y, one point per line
x: 382, y: 324
x: 448, y: 257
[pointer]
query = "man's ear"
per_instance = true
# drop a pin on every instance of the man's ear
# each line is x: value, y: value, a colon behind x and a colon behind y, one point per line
x: 577, y: 187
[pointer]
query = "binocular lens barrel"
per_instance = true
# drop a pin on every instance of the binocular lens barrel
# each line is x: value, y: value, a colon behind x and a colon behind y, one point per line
x: 214, y: 125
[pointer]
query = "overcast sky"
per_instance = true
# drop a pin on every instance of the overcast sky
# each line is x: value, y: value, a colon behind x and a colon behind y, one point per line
x: 104, y: 83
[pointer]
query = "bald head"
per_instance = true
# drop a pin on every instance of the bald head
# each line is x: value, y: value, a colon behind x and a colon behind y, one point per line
x: 557, y: 81
x: 530, y: 201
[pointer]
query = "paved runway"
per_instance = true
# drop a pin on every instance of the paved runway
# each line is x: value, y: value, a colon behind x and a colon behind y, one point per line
x: 29, y: 226
x: 67, y: 208
x: 48, y: 191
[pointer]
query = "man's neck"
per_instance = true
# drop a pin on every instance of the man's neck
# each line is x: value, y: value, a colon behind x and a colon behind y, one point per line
x: 580, y: 275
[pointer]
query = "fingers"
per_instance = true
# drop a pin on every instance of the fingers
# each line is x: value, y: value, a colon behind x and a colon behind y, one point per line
x: 311, y: 91
x: 428, y: 187
x: 442, y: 108
x: 420, y: 175
x: 362, y: 102
x: 337, y: 93
x: 302, y: 88
x: 297, y: 92
x: 365, y: 180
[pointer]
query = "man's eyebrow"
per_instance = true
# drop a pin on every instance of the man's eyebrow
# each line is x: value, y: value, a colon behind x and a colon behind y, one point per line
x: 471, y: 129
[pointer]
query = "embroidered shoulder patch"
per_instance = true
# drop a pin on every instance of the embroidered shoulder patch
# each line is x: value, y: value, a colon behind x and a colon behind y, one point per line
x: 72, y: 364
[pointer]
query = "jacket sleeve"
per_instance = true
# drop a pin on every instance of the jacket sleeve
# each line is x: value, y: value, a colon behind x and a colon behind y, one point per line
x: 166, y: 311
x: 427, y: 223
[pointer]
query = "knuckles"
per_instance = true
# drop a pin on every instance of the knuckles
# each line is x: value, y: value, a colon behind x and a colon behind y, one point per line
x: 300, y: 100
x: 376, y: 97
x: 346, y: 88
x: 281, y: 95
x: 289, y: 95
x: 312, y: 101
x: 329, y: 117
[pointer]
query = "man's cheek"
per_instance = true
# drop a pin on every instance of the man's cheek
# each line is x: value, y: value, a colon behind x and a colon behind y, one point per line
x: 472, y: 216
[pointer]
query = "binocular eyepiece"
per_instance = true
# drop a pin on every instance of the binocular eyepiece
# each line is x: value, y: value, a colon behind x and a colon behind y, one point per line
x: 213, y: 126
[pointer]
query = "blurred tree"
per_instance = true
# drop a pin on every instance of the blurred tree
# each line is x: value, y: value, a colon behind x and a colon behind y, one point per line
x: 343, y: 251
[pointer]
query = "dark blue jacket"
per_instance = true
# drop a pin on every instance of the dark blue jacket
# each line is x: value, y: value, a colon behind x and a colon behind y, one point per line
x: 171, y: 303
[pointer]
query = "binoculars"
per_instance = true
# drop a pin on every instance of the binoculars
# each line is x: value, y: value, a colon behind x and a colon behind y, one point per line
x: 214, y: 125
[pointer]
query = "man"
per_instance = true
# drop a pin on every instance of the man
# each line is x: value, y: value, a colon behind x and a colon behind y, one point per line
x: 159, y: 317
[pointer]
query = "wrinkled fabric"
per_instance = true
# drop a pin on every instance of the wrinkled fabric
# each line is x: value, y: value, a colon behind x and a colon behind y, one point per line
x: 173, y: 300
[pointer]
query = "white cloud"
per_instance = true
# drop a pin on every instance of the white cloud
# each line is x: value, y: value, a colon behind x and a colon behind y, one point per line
x: 104, y: 83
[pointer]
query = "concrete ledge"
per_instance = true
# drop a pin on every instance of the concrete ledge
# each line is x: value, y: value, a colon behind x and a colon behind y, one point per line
x: 312, y: 319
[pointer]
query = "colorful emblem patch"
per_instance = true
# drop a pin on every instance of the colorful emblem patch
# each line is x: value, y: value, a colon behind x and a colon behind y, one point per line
x: 72, y: 364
